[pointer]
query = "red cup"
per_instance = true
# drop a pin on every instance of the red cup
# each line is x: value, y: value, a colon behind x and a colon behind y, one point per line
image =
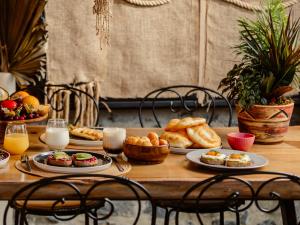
x: 240, y: 141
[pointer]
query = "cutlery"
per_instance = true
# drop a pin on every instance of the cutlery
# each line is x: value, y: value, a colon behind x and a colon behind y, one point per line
x: 25, y: 159
x: 118, y: 165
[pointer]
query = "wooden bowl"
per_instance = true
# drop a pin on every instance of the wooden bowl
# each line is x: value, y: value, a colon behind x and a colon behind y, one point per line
x: 146, y: 154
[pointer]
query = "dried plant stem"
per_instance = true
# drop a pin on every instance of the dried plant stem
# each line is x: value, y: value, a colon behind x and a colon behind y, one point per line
x: 102, y: 9
x: 3, y: 58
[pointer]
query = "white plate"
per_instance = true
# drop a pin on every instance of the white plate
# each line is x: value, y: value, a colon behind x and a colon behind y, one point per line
x: 258, y: 161
x: 183, y: 151
x: 78, y: 142
x: 104, y: 162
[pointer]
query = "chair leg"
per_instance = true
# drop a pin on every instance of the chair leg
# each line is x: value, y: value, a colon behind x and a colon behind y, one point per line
x: 222, y: 218
x: 167, y: 217
x: 288, y: 212
x: 95, y: 221
x: 87, y: 219
x: 16, y: 217
x: 237, y: 216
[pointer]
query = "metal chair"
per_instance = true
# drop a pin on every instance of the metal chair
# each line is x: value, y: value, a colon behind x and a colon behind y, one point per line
x: 204, y: 192
x: 71, y: 195
x: 183, y: 99
x: 39, y: 89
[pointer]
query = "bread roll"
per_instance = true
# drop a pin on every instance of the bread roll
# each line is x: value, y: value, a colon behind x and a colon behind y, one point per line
x: 172, y: 124
x: 163, y: 142
x: 152, y: 136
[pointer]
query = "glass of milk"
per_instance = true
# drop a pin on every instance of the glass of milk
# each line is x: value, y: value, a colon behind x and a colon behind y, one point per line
x: 57, y: 134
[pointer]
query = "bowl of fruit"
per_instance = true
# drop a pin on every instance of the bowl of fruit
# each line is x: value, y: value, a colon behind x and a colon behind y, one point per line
x: 20, y: 107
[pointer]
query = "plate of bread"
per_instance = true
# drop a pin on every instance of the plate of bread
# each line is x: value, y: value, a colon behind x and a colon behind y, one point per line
x: 189, y: 134
x: 226, y: 159
x: 82, y: 136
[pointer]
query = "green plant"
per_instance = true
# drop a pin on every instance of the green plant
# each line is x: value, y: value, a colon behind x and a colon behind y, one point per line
x: 22, y: 39
x: 270, y: 58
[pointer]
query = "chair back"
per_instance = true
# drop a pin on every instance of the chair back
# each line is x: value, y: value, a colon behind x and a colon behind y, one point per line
x: 71, y: 195
x: 242, y: 190
x: 183, y: 99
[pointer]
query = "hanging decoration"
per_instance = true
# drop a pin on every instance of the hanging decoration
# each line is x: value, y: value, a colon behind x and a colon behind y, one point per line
x: 148, y: 2
x: 102, y: 9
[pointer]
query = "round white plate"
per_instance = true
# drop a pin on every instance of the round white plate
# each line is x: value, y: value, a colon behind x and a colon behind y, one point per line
x: 40, y: 160
x: 258, y: 161
x: 183, y: 151
x: 79, y: 142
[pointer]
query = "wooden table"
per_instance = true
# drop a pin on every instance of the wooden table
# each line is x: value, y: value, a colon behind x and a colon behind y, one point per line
x: 172, y: 178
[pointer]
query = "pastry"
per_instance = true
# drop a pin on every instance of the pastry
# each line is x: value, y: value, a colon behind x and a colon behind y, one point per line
x: 84, y: 160
x: 213, y: 157
x: 189, y: 122
x: 86, y: 133
x: 204, y: 136
x: 59, y: 159
x: 238, y: 160
x: 152, y: 139
x: 175, y: 139
x: 171, y: 126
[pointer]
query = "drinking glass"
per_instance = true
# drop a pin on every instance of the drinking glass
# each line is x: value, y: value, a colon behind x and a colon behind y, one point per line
x: 57, y: 134
x: 113, y: 139
x: 16, y: 139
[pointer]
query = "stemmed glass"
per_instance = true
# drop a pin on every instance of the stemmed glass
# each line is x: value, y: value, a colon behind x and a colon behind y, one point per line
x: 57, y: 134
x: 16, y: 139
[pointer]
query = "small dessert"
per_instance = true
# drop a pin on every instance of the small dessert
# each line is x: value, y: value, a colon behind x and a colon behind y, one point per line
x: 84, y: 159
x: 87, y: 133
x: 213, y: 158
x: 238, y: 160
x: 59, y: 159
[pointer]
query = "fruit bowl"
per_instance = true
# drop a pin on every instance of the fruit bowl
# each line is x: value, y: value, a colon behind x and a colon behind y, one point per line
x: 146, y: 154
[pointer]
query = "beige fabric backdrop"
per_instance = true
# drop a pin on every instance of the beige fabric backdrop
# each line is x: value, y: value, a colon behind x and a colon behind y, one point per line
x: 182, y: 42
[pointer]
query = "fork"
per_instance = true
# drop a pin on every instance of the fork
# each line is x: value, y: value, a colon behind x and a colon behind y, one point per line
x: 25, y: 159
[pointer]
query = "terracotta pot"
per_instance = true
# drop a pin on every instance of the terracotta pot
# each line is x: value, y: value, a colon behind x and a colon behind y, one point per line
x: 269, y: 123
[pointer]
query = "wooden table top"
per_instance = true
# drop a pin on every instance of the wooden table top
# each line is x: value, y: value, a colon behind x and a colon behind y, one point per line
x: 170, y: 179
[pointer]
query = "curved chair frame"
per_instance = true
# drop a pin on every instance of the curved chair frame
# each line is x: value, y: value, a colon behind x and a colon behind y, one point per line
x: 209, y: 98
x: 65, y: 214
x: 232, y: 199
x: 65, y: 87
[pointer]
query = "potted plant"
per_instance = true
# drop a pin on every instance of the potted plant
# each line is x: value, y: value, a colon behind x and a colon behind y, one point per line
x: 22, y: 43
x: 267, y: 72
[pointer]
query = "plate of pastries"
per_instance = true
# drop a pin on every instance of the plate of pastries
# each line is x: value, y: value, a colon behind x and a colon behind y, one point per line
x: 189, y: 134
x: 71, y: 161
x: 85, y: 136
x: 82, y: 136
x: 226, y: 159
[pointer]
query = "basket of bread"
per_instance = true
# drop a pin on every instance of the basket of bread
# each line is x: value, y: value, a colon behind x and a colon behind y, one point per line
x: 189, y: 134
x: 149, y: 149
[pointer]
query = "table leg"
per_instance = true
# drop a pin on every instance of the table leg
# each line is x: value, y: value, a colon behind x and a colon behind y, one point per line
x: 288, y: 212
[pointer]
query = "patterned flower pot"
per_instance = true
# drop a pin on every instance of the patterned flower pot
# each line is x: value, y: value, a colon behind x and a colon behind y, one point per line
x: 269, y: 123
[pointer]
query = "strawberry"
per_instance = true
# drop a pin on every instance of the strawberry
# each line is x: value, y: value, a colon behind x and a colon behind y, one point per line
x: 9, y: 104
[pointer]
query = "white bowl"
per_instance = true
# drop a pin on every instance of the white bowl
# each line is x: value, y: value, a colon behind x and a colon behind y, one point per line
x: 3, y: 162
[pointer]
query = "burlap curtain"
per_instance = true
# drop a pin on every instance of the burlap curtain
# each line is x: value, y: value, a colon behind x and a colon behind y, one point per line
x: 154, y: 43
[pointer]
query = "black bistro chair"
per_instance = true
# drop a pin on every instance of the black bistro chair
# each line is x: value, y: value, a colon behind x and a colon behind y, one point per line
x: 66, y: 197
x: 74, y: 91
x: 184, y: 100
x: 254, y: 194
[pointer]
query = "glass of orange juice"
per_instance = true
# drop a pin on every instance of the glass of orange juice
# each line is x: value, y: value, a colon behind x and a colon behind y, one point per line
x: 16, y: 138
